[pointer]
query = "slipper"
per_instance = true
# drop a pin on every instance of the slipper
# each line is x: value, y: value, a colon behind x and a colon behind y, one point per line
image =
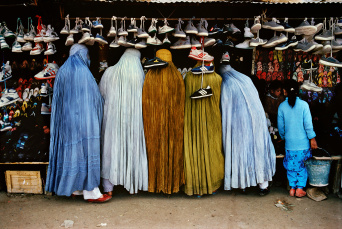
x: 100, y: 200
x: 292, y: 192
x: 300, y: 192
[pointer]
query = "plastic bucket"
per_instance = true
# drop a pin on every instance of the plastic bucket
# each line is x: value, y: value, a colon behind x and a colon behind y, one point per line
x: 318, y: 172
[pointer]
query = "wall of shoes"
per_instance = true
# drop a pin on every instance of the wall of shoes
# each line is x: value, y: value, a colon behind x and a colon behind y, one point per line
x: 27, y: 100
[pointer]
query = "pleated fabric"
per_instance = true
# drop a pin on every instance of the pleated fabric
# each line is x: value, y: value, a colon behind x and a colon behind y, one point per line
x: 203, y: 156
x: 163, y: 112
x: 124, y: 159
x: 249, y: 153
x: 76, y: 116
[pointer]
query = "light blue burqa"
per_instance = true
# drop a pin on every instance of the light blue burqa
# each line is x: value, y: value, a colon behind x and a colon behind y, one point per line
x: 76, y: 116
x: 249, y: 153
x: 124, y: 158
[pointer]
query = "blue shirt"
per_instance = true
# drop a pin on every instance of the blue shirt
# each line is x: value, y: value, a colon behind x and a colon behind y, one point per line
x: 295, y: 125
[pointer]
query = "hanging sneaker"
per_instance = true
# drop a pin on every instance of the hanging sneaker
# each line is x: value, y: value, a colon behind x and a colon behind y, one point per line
x: 166, y: 40
x: 218, y: 43
x: 51, y: 35
x: 153, y: 40
x: 32, y: 33
x: 27, y: 46
x: 233, y: 29
x: 202, y: 93
x: 257, y: 25
x: 178, y: 30
x: 66, y: 28
x: 335, y: 45
x: 6, y: 72
x: 305, y: 28
x: 244, y: 45
x: 190, y: 28
x: 290, y: 43
x: 337, y: 30
x: 182, y: 43
x: 86, y: 26
x: 8, y: 97
x: 49, y: 72
x: 3, y: 43
x: 97, y: 24
x: 247, y: 33
x: 141, y: 31
x: 100, y: 39
x: 257, y: 41
x: 326, y: 47
x: 70, y: 40
x: 39, y: 37
x: 20, y: 31
x: 195, y: 42
x: 326, y: 35
x: 122, y: 41
x: 132, y: 28
x: 310, y: 86
x: 38, y: 49
x: 225, y: 58
x: 304, y: 45
x: 165, y: 28
x: 200, y: 55
x: 153, y: 26
x: 91, y: 41
x: 85, y: 38
x: 140, y: 45
x: 155, y: 62
x: 229, y: 43
x: 330, y: 61
x: 202, y: 28
x: 112, y: 30
x: 132, y: 42
x: 273, y: 24
x: 45, y: 109
x: 51, y: 49
x: 7, y: 33
x: 287, y: 27
x: 215, y: 30
x: 206, y: 69
x: 77, y: 27
x: 122, y: 30
x: 114, y: 43
x: 275, y: 41
x: 16, y: 47
x: 209, y: 41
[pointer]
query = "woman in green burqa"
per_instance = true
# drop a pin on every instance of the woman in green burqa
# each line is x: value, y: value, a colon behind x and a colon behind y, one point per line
x: 203, y: 156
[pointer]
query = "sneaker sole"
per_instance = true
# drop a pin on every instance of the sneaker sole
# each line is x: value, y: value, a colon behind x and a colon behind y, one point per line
x: 132, y: 30
x: 154, y: 65
x: 114, y: 46
x: 6, y: 79
x: 191, y: 32
x: 26, y: 49
x: 201, y: 96
x: 44, y: 78
x: 6, y: 128
x: 181, y: 47
x: 35, y: 53
x: 38, y: 40
x: 140, y: 46
x: 309, y: 49
x: 17, y: 51
x: 200, y: 59
x: 49, y: 53
x: 64, y: 32
x: 7, y: 103
x: 327, y: 63
x: 98, y: 27
x: 286, y: 47
x: 306, y: 30
x: 290, y: 30
x: 123, y: 34
x: 197, y: 73
x: 180, y: 35
x: 324, y: 38
x: 209, y: 43
x: 308, y: 88
x: 84, y: 41
x: 279, y: 28
x: 202, y: 34
x: 163, y: 32
x: 144, y: 36
x: 102, y: 42
x: 68, y: 43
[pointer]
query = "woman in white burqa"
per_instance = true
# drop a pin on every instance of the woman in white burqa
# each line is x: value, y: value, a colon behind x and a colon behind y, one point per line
x: 124, y: 160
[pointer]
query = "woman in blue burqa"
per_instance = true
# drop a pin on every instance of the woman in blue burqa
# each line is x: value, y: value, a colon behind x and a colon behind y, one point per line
x: 76, y: 116
x: 124, y: 158
x: 249, y: 153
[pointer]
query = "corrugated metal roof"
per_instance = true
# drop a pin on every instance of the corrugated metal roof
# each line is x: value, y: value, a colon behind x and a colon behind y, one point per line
x: 247, y: 1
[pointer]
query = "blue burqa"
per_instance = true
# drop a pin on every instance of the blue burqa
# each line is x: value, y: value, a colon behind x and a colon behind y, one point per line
x: 249, y: 153
x: 75, y: 129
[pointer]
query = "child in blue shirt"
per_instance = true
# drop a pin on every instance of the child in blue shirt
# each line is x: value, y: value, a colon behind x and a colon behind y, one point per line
x: 295, y: 126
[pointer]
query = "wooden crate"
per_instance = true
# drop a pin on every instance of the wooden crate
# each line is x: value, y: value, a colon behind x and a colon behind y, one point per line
x: 24, y: 182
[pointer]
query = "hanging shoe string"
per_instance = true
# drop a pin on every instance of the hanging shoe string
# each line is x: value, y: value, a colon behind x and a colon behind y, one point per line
x: 142, y: 22
x: 204, y: 23
x: 180, y: 22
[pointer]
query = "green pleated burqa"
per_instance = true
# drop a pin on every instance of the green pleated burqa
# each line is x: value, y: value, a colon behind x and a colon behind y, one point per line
x: 163, y: 113
x: 203, y: 156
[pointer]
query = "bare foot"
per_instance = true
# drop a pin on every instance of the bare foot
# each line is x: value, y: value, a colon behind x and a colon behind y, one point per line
x: 292, y: 192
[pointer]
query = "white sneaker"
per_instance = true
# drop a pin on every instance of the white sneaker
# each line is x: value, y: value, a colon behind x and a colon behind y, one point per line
x: 114, y: 43
x: 91, y: 40
x: 51, y: 49
x: 195, y: 42
x: 166, y: 28
x: 27, y: 46
x: 166, y: 40
x: 182, y: 43
x: 122, y: 30
x: 200, y: 55
x: 85, y: 38
x: 153, y: 41
x: 70, y: 40
x: 49, y: 72
x: 244, y: 45
x: 141, y: 44
x: 190, y: 28
x: 257, y: 25
x: 77, y: 27
x: 50, y: 35
x: 247, y: 33
x: 16, y: 47
x: 122, y: 41
x: 66, y: 28
x: 32, y: 33
x: 153, y: 26
x: 310, y: 86
x: 132, y: 28
x: 9, y: 96
x: 38, y: 49
x: 141, y: 30
x: 112, y: 30
x: 6, y: 72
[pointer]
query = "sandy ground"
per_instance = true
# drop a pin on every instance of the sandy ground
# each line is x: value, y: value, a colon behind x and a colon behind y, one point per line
x: 227, y: 209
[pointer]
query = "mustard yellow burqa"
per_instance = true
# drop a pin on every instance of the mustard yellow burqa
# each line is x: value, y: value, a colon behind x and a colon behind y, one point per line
x: 203, y: 156
x: 163, y: 113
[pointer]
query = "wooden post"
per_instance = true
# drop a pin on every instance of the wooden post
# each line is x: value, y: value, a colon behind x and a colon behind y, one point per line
x: 337, y: 177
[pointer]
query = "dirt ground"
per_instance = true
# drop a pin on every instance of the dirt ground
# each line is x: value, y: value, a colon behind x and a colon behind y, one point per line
x: 226, y: 209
